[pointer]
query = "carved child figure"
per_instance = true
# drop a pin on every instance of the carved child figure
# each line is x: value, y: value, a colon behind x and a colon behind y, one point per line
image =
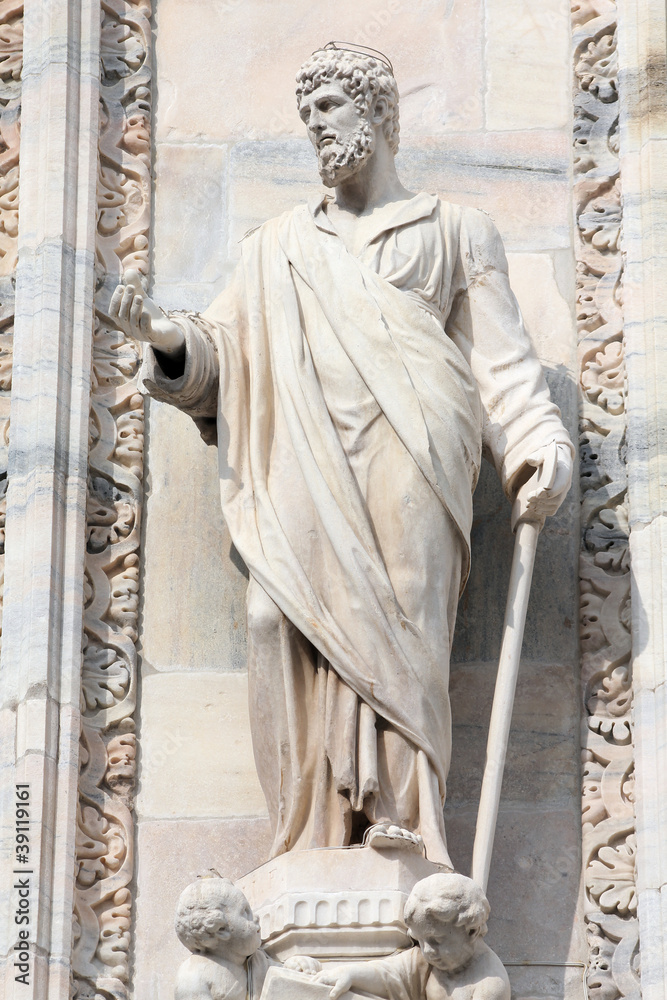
x: 214, y: 921
x: 446, y: 915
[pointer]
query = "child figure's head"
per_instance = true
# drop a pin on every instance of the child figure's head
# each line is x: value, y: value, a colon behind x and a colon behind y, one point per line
x: 213, y: 917
x: 445, y: 914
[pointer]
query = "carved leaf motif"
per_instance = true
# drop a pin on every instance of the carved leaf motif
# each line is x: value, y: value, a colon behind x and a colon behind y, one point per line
x: 593, y: 807
x: 586, y: 10
x: 6, y: 359
x: 11, y: 49
x: 597, y: 69
x: 121, y: 767
x: 115, y: 934
x: 600, y: 224
x: 136, y: 135
x: 105, y: 678
x: 90, y: 846
x: 100, y: 846
x: 613, y: 697
x: 114, y: 359
x: 599, y: 978
x: 603, y: 378
x: 611, y: 878
x: 107, y: 523
x: 122, y: 49
x: 9, y: 219
x: 110, y: 200
x: 125, y: 597
x: 130, y: 439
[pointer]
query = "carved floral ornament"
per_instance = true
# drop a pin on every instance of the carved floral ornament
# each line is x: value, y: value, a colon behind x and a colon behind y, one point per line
x: 105, y: 837
x: 608, y: 761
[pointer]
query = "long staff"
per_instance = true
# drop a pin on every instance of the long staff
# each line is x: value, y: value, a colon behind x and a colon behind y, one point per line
x: 527, y: 522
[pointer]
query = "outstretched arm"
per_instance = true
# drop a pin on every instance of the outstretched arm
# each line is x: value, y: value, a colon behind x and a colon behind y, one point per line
x: 400, y: 977
x: 354, y: 975
x: 180, y: 364
x: 139, y: 317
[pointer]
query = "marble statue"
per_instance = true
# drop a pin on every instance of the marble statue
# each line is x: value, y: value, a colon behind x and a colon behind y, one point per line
x: 446, y: 915
x: 368, y: 350
x: 215, y: 923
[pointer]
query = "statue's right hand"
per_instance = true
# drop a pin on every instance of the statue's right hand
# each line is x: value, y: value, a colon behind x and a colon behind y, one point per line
x: 341, y: 980
x: 139, y: 317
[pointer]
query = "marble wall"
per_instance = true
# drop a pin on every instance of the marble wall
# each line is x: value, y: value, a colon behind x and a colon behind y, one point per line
x: 486, y: 121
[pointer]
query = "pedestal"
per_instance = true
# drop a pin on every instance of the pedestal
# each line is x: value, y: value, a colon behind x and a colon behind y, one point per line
x: 335, y: 904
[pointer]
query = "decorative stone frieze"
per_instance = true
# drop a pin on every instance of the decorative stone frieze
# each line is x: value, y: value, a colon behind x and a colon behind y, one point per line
x: 608, y: 764
x: 105, y: 838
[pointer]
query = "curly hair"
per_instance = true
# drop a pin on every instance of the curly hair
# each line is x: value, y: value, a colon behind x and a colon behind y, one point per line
x: 201, y: 912
x: 362, y: 77
x: 448, y: 898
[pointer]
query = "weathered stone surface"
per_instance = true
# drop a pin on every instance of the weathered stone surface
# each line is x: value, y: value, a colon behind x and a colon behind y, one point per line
x: 546, y: 982
x: 547, y: 309
x: 241, y: 100
x: 190, y: 265
x: 535, y: 870
x: 542, y: 761
x: 196, y: 756
x: 194, y: 582
x: 528, y: 72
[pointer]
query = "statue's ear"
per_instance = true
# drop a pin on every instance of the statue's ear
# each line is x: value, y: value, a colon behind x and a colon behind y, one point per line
x: 380, y: 109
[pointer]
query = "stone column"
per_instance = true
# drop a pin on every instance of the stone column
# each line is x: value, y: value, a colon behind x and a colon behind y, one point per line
x: 46, y: 505
x: 643, y: 137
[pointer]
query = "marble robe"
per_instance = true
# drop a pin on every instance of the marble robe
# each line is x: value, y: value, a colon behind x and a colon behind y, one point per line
x: 351, y: 398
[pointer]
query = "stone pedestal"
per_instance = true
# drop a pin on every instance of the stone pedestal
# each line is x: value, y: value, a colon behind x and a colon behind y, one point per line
x: 344, y: 903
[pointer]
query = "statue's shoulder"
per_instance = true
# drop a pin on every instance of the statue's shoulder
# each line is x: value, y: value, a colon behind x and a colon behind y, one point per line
x: 467, y: 220
x: 490, y: 975
x: 275, y: 225
x: 200, y: 976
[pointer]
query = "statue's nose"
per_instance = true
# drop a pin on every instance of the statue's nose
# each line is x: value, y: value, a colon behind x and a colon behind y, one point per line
x: 316, y: 122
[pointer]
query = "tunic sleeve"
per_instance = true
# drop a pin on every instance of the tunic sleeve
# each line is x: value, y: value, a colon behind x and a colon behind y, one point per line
x: 195, y: 391
x: 402, y: 976
x: 486, y: 325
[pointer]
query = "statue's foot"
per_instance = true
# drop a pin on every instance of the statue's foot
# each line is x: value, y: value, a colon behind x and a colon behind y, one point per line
x: 383, y: 835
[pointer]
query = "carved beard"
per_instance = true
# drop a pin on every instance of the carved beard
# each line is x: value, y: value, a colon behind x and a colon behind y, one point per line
x: 337, y: 162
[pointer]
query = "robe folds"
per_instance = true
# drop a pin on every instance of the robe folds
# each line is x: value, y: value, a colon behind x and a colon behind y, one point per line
x: 351, y: 398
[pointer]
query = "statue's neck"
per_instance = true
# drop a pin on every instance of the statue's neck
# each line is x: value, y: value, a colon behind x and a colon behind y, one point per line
x: 375, y: 184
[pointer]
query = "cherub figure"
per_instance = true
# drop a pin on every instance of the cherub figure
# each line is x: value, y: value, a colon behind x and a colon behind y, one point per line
x: 446, y: 915
x: 215, y: 922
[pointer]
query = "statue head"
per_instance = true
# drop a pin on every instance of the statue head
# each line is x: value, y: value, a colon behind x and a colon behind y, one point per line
x: 446, y: 913
x: 214, y: 917
x: 346, y: 100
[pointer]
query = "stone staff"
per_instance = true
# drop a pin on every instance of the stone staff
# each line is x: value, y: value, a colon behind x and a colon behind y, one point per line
x: 527, y: 521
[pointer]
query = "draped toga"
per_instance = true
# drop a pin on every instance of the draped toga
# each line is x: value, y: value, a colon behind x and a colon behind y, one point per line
x: 351, y: 398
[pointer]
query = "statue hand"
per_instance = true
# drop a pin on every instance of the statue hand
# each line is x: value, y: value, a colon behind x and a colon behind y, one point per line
x: 341, y: 980
x: 139, y: 317
x: 542, y: 495
x: 303, y: 963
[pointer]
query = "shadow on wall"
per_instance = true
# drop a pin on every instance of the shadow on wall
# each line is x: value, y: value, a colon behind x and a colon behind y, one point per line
x: 534, y: 888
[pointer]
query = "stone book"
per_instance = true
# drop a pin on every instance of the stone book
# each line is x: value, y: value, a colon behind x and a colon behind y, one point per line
x: 282, y: 984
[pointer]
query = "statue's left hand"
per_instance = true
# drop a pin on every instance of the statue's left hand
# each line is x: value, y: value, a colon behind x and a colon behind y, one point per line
x: 303, y: 963
x: 543, y: 497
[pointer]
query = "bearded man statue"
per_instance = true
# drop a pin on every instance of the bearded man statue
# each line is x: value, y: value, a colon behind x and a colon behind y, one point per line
x: 367, y: 351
